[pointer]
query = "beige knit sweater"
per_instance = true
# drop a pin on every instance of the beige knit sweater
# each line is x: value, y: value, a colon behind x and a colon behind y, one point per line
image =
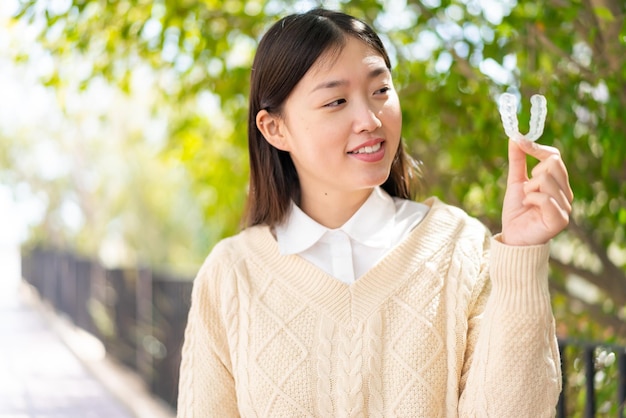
x: 441, y: 327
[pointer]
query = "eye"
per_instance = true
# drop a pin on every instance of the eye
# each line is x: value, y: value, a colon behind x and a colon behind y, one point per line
x: 335, y: 103
x: 383, y: 90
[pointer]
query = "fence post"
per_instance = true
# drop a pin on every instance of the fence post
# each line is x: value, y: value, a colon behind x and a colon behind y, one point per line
x: 50, y: 277
x: 561, y: 408
x: 590, y: 374
x: 68, y: 302
x: 621, y: 385
x: 144, y: 297
x: 84, y: 278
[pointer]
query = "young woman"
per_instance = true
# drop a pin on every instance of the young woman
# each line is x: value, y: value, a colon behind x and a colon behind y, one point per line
x: 342, y: 297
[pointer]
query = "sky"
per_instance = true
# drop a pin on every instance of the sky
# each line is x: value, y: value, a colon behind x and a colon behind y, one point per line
x: 14, y: 107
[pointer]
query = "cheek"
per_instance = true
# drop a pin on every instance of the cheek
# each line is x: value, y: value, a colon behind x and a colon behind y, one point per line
x: 322, y: 133
x: 311, y: 142
x: 393, y: 116
x: 398, y: 117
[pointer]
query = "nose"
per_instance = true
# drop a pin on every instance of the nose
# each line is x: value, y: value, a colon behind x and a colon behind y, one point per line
x: 366, y: 118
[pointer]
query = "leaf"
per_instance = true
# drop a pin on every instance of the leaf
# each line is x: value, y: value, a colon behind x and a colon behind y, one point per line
x: 604, y: 13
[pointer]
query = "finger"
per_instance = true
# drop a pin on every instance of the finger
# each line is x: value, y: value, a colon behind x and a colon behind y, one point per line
x: 539, y: 151
x: 554, y: 217
x: 548, y: 185
x: 554, y: 167
x: 518, y: 171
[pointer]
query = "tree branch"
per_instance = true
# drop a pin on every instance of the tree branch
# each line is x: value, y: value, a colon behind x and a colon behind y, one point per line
x: 609, y: 285
x: 613, y: 278
x: 595, y: 311
x: 553, y: 48
x: 608, y: 31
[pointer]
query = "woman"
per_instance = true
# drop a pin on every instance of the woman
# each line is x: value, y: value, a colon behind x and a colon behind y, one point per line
x: 342, y: 296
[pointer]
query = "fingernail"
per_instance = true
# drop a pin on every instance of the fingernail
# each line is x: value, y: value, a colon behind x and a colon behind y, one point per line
x: 517, y: 138
x: 527, y: 143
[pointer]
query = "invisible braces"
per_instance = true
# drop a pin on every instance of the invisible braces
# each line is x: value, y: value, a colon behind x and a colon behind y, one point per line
x: 508, y: 113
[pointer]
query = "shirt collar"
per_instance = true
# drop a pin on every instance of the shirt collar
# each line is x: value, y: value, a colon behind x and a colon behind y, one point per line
x: 371, y: 225
x: 298, y: 232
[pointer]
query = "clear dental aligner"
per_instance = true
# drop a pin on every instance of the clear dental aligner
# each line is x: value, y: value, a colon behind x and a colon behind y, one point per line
x: 508, y: 113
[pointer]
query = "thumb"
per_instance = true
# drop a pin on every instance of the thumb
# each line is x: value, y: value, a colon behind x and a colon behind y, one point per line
x: 517, y: 164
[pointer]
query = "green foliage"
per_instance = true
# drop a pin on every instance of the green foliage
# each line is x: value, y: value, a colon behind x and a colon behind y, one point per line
x: 452, y: 60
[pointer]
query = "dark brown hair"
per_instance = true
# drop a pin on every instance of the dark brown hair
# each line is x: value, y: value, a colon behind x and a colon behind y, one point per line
x: 284, y: 55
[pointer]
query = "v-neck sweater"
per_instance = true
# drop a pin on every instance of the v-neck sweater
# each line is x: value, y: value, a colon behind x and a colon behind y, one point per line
x: 449, y: 323
x: 351, y: 250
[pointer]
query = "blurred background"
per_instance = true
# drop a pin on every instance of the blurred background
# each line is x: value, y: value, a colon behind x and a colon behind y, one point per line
x: 123, y: 155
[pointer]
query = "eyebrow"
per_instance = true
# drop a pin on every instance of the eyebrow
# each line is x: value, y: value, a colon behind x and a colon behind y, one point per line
x: 338, y: 83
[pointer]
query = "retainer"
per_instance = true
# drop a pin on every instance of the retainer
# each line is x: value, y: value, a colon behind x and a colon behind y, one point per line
x: 508, y: 113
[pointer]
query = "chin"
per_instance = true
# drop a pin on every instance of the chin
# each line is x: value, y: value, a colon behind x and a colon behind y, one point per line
x: 376, y: 181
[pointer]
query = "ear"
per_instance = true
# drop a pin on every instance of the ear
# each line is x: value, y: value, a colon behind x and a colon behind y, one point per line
x: 272, y: 127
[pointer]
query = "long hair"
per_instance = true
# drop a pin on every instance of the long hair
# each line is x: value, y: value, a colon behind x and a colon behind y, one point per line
x: 284, y: 55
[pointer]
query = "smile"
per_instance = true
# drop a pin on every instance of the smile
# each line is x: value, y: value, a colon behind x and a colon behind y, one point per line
x: 367, y: 150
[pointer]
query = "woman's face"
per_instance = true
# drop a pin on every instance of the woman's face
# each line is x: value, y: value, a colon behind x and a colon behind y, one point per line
x: 341, y: 123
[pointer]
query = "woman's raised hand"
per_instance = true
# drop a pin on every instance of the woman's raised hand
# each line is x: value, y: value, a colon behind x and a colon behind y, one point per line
x: 535, y: 209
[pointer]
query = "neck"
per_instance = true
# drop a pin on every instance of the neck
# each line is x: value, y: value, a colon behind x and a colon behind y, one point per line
x: 333, y: 208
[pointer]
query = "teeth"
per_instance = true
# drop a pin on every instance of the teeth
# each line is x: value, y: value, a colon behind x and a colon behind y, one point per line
x: 367, y: 150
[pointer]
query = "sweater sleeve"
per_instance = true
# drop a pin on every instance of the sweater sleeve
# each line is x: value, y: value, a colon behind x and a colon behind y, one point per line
x: 206, y: 385
x: 515, y: 366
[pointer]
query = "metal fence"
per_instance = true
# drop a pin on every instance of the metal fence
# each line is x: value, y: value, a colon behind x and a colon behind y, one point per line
x: 594, y: 379
x: 140, y: 317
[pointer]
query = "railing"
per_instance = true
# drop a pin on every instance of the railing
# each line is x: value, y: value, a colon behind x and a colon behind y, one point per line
x: 594, y: 379
x: 140, y: 316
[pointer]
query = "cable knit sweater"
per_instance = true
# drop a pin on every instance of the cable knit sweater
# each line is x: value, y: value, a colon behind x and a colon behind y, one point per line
x: 450, y: 323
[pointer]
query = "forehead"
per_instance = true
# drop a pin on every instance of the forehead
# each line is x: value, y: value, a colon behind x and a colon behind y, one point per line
x: 349, y: 54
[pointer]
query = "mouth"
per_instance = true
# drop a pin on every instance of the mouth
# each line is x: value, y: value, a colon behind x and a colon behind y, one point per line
x: 367, y: 149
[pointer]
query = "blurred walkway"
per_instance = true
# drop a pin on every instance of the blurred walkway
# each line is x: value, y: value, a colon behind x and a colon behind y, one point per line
x: 39, y: 375
x: 50, y: 369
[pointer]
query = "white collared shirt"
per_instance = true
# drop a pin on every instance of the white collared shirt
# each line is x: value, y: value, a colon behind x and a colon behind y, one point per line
x: 348, y: 252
